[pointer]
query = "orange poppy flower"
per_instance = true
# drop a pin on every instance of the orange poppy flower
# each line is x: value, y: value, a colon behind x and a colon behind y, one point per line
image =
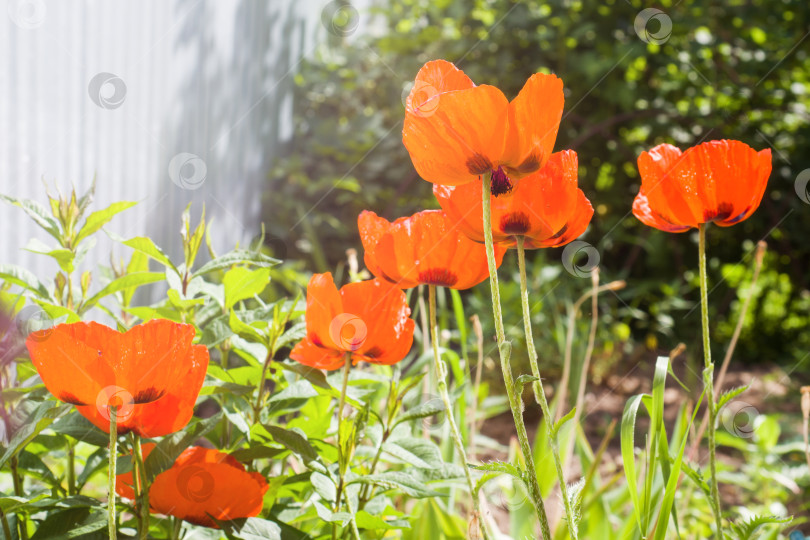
x: 166, y: 415
x: 546, y: 208
x: 717, y: 181
x: 93, y: 366
x: 367, y: 321
x: 203, y: 483
x: 425, y: 248
x: 456, y: 131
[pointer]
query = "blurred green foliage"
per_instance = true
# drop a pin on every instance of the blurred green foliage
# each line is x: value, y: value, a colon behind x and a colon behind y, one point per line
x: 728, y: 70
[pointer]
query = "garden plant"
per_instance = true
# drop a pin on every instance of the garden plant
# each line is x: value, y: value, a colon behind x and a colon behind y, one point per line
x: 260, y: 399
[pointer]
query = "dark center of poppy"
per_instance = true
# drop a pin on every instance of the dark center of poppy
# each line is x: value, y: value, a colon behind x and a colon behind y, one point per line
x: 723, y: 212
x: 501, y: 184
x: 515, y: 223
x: 441, y: 277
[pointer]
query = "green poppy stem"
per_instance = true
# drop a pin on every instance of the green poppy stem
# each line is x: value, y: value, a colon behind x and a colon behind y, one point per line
x: 539, y: 391
x: 111, y: 520
x: 505, y: 351
x: 341, y: 491
x: 441, y: 379
x: 708, y: 381
x: 143, y: 494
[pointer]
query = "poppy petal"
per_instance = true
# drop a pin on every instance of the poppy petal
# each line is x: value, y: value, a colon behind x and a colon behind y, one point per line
x: 313, y: 355
x: 150, y: 358
x: 371, y: 228
x: 379, y: 330
x: 461, y: 137
x: 323, y: 305
x: 671, y: 192
x: 173, y: 411
x: 534, y: 119
x: 435, y: 77
x: 643, y: 212
x: 72, y: 370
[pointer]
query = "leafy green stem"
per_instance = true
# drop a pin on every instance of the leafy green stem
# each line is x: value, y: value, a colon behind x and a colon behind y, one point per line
x: 441, y: 381
x: 505, y: 351
x: 539, y: 391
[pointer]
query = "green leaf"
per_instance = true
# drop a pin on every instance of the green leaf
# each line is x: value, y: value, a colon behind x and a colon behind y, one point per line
x: 522, y: 381
x: 147, y: 247
x: 41, y: 417
x: 241, y: 283
x: 746, y: 530
x: 500, y: 467
x: 63, y: 257
x: 250, y: 529
x: 99, y: 218
x: 420, y: 453
x: 167, y: 450
x: 236, y: 257
x: 245, y: 330
x: 402, y: 481
x: 628, y: 428
x: 725, y: 397
x: 294, y: 441
x: 25, y: 279
x: 80, y: 428
x: 429, y: 408
x: 38, y: 213
x: 561, y: 422
x: 119, y: 284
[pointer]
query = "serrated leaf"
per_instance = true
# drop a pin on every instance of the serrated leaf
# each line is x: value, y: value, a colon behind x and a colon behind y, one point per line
x: 293, y: 441
x: 41, y: 417
x: 727, y: 396
x: 500, y: 467
x: 80, y: 428
x: 420, y: 453
x: 250, y: 529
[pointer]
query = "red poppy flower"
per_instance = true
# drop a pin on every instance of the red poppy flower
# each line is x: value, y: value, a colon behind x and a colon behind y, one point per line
x: 166, y: 415
x: 717, y: 181
x: 366, y: 320
x: 91, y: 364
x: 425, y: 248
x: 202, y: 484
x: 456, y: 131
x: 546, y: 208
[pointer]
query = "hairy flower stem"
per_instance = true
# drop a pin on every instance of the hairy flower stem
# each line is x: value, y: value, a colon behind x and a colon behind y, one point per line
x: 139, y: 472
x: 441, y: 381
x: 341, y: 465
x: 111, y: 521
x: 539, y: 391
x: 708, y: 380
x: 505, y: 351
